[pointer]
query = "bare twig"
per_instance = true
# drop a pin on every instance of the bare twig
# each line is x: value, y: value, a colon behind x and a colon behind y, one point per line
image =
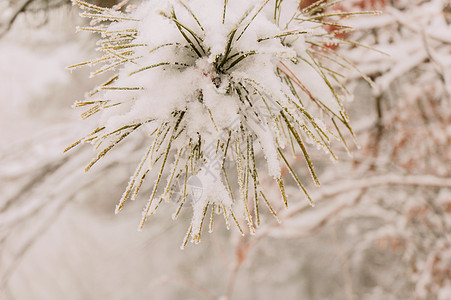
x: 346, y: 267
x: 242, y: 250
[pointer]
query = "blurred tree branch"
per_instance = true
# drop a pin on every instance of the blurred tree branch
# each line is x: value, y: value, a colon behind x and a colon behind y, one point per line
x: 24, y: 6
x: 20, y: 7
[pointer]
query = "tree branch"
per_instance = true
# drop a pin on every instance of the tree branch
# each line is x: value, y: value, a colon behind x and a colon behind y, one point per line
x: 330, y: 192
x: 19, y: 8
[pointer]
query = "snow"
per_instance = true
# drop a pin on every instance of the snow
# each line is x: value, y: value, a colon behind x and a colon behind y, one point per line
x: 382, y: 215
x: 212, y: 192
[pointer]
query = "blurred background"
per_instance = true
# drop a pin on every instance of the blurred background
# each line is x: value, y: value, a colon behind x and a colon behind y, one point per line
x: 381, y: 228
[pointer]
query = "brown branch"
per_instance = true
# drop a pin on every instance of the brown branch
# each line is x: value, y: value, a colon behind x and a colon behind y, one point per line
x: 193, y: 286
x: 242, y: 250
x: 346, y: 267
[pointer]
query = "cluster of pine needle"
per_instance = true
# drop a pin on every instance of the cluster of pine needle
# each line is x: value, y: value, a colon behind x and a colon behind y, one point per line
x: 290, y: 120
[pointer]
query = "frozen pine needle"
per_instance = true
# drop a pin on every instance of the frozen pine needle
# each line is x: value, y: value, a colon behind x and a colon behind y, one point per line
x: 217, y: 84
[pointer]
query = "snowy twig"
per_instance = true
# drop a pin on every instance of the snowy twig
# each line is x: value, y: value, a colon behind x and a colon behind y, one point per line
x: 401, y: 19
x: 328, y: 193
x: 440, y: 69
x: 16, y: 11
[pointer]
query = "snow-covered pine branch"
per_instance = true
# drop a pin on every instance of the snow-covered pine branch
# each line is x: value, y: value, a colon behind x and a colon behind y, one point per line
x: 211, y: 85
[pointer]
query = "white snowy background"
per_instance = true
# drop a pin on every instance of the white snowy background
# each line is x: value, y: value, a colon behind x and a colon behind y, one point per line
x: 381, y: 228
